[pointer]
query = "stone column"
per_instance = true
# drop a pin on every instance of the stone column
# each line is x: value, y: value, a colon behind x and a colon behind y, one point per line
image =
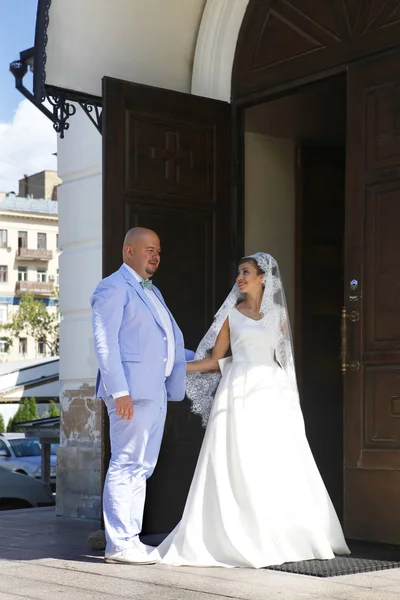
x: 80, y: 238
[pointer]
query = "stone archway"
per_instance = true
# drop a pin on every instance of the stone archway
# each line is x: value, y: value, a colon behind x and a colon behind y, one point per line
x: 215, y: 48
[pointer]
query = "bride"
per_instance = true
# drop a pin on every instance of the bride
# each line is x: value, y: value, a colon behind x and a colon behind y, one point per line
x: 256, y: 498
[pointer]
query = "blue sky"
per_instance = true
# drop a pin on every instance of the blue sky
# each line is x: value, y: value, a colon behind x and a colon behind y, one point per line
x: 17, y: 32
x: 27, y: 137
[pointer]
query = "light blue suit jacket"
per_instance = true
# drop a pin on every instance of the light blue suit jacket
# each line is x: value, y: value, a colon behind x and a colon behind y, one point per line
x: 130, y: 342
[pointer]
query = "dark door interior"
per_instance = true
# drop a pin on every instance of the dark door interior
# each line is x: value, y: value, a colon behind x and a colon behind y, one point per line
x: 322, y: 191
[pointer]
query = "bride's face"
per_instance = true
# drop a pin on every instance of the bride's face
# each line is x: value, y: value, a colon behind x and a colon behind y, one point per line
x: 248, y: 278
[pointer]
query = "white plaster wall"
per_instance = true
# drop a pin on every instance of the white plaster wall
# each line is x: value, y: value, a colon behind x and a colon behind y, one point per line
x: 144, y: 41
x: 270, y: 204
x: 80, y: 161
x: 80, y: 238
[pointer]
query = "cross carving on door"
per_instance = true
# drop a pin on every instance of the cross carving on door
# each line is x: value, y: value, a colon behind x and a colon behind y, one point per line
x: 173, y: 156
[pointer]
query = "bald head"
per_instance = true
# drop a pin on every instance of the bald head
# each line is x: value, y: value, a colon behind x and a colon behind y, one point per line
x: 141, y: 251
x: 135, y: 234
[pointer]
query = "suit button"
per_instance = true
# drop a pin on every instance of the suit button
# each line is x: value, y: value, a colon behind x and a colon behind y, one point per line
x: 164, y: 359
x: 165, y: 339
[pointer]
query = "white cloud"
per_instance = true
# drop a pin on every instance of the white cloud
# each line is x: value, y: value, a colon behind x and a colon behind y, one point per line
x: 26, y: 146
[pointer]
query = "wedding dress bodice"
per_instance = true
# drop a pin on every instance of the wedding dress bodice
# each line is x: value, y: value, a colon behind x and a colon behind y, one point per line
x: 251, y: 341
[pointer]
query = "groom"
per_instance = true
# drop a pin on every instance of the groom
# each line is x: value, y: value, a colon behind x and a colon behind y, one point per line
x: 141, y: 358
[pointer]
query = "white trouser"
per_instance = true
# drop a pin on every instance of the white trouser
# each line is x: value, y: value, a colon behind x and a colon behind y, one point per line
x: 135, y: 446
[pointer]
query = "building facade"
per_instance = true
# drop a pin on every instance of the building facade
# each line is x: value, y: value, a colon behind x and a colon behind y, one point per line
x: 28, y: 264
x: 39, y: 185
x: 230, y: 127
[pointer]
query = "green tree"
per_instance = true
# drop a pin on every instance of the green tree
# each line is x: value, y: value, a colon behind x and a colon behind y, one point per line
x: 53, y: 410
x: 33, y: 318
x: 23, y: 414
x: 33, y: 409
x: 2, y: 424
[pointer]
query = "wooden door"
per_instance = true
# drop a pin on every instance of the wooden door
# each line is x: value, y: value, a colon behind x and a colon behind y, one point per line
x: 167, y: 164
x: 372, y: 295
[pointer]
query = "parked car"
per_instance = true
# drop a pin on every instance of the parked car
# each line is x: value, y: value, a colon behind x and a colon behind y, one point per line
x: 23, y: 455
x: 19, y: 491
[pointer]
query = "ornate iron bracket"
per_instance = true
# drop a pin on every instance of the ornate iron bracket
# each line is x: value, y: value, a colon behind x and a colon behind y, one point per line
x: 63, y: 102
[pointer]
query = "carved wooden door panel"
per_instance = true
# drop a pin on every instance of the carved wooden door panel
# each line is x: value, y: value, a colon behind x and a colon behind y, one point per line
x: 283, y: 40
x: 167, y: 166
x: 372, y: 300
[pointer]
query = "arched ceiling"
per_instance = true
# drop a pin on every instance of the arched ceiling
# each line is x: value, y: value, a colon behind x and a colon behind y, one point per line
x: 145, y: 41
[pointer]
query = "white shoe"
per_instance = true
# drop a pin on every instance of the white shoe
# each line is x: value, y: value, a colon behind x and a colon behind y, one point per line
x: 139, y: 544
x: 131, y: 556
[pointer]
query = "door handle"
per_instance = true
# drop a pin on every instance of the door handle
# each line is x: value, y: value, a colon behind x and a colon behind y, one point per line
x: 353, y: 365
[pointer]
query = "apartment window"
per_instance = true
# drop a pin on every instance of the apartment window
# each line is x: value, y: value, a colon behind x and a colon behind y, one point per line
x: 3, y: 345
x: 3, y: 313
x: 3, y: 273
x: 41, y: 241
x: 22, y: 239
x: 41, y: 347
x: 22, y: 274
x: 3, y: 238
x: 41, y: 274
x: 23, y: 345
x: 58, y: 277
x: 58, y: 247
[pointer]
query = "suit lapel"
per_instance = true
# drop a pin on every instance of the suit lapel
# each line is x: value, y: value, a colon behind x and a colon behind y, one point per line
x: 130, y: 279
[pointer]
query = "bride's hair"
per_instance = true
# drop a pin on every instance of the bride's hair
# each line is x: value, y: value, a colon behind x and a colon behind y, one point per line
x: 253, y: 262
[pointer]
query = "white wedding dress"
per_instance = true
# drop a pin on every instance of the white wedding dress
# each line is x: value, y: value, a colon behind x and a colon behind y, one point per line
x: 256, y: 498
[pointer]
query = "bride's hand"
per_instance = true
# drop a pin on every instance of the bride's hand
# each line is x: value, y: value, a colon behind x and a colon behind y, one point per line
x: 210, y: 363
x: 207, y: 364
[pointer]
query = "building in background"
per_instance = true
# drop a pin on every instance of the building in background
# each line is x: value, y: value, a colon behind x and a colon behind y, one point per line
x: 39, y: 185
x: 28, y: 264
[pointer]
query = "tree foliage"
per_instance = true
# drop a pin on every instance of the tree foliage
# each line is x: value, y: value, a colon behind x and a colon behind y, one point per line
x: 54, y: 411
x: 34, y: 319
x: 27, y: 411
x: 2, y: 424
x: 33, y: 409
x: 51, y: 411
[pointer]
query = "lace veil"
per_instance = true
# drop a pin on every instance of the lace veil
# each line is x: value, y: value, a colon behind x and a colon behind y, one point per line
x: 201, y: 387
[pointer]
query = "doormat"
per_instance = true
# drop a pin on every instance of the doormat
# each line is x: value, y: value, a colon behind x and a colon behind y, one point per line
x: 363, y: 559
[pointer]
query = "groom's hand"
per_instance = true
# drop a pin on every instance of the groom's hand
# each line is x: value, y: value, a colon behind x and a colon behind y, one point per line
x: 124, y: 407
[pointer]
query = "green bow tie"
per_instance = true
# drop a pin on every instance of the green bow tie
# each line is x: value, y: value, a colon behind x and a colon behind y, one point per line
x: 146, y: 284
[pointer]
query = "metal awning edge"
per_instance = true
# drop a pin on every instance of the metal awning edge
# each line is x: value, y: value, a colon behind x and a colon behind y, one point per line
x: 40, y: 49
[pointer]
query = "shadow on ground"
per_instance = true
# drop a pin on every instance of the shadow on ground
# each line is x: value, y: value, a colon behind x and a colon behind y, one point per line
x: 31, y: 534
